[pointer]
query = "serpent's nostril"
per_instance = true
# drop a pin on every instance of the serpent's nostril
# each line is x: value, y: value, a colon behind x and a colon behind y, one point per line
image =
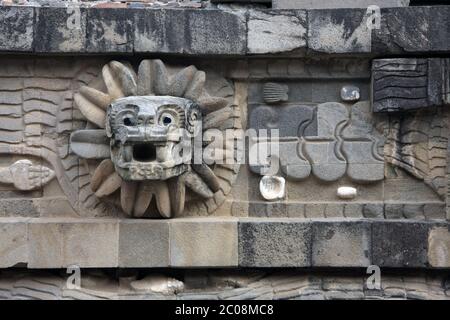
x: 144, y: 152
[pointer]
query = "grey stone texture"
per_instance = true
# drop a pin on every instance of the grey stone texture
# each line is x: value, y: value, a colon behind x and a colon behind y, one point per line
x: 399, y: 244
x: 109, y: 31
x: 429, y: 24
x: 327, y: 4
x: 58, y: 243
x: 341, y: 244
x: 204, y: 242
x: 439, y: 247
x: 274, y: 244
x: 406, y: 84
x: 276, y: 31
x: 222, y: 285
x: 144, y: 243
x: 16, y: 29
x: 244, y: 31
x: 60, y: 30
x: 222, y: 242
x: 13, y: 242
x: 339, y: 31
x: 190, y: 32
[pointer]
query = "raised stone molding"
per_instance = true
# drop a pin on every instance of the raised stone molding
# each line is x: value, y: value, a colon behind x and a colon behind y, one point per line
x: 222, y: 242
x: 246, y: 31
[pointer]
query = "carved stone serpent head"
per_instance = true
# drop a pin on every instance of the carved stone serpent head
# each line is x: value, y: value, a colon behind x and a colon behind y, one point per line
x: 141, y: 127
x: 151, y: 137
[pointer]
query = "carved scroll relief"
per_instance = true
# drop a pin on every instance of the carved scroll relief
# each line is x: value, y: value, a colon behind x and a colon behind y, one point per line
x: 327, y: 141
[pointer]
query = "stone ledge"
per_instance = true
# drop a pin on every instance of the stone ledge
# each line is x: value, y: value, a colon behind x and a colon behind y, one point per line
x: 299, y: 33
x: 223, y: 242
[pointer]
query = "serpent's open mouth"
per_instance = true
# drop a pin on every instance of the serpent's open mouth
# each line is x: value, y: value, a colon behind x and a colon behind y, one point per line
x: 144, y: 152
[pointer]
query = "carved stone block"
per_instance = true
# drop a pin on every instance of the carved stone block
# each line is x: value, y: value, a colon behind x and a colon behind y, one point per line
x: 409, y: 84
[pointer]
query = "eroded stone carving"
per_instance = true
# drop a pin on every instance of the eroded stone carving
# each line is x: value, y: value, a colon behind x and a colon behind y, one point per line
x: 417, y: 143
x: 140, y: 141
x: 25, y: 175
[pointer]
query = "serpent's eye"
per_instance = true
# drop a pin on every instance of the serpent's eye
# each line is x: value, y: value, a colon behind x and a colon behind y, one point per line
x: 166, y: 119
x: 128, y: 121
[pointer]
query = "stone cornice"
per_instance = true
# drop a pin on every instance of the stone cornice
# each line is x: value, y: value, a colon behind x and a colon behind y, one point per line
x: 223, y: 32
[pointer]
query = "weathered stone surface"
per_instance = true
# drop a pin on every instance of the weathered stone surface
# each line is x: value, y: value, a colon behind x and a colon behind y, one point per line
x: 267, y: 209
x: 276, y: 31
x: 109, y: 31
x: 398, y: 244
x: 90, y: 144
x: 190, y: 32
x: 353, y: 210
x: 339, y: 31
x: 58, y: 243
x: 341, y: 244
x: 60, y: 29
x: 406, y: 84
x: 277, y: 243
x: 342, y: 31
x: 439, y: 247
x: 25, y: 175
x: 429, y: 24
x: 326, y: 4
x: 13, y: 242
x: 198, y: 242
x: 206, y: 242
x: 434, y: 211
x: 45, y: 245
x: 143, y: 244
x: 373, y: 210
x: 393, y: 211
x: 287, y: 119
x: 90, y: 244
x: 18, y: 208
x: 16, y: 29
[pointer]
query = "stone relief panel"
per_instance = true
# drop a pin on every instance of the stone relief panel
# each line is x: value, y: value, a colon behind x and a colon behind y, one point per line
x: 344, y: 157
x: 67, y: 151
x: 136, y: 119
